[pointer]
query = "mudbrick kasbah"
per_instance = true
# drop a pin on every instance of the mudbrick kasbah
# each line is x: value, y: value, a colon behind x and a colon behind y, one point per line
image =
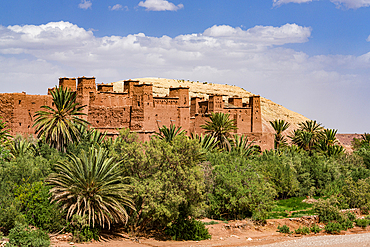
x: 135, y: 107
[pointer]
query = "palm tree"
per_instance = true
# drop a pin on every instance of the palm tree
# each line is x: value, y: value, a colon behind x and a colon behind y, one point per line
x: 59, y: 126
x: 279, y: 126
x: 168, y: 134
x: 207, y: 142
x: 242, y: 146
x: 91, y: 186
x: 220, y: 127
x: 4, y: 132
x: 308, y: 135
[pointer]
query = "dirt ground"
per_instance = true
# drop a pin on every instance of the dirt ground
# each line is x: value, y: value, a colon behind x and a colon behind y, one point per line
x: 233, y: 233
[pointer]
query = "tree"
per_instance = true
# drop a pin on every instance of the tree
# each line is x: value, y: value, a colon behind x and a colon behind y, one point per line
x: 220, y: 126
x: 279, y: 126
x: 308, y: 135
x: 91, y: 185
x: 59, y: 125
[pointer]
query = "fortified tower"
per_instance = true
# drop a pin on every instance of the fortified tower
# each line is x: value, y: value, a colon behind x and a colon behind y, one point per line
x: 85, y: 86
x: 215, y: 103
x: 255, y: 104
x: 68, y: 83
x: 183, y: 111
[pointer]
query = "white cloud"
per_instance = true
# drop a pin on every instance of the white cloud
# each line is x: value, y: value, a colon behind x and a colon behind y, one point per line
x: 280, y: 2
x: 85, y: 4
x: 160, y: 5
x: 351, y: 4
x: 117, y: 7
x: 32, y: 57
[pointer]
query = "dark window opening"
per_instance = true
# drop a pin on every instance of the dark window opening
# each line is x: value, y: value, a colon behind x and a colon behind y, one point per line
x: 19, y: 102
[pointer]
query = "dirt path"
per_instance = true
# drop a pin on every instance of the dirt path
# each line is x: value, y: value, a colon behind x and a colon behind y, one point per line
x: 243, y: 233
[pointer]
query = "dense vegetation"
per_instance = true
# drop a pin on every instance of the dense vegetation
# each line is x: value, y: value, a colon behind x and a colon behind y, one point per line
x: 73, y: 178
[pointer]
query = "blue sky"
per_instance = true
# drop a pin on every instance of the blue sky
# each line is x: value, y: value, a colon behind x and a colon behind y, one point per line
x: 311, y: 56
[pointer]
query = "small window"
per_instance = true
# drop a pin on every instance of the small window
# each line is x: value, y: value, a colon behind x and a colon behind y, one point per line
x: 19, y: 102
x: 20, y: 124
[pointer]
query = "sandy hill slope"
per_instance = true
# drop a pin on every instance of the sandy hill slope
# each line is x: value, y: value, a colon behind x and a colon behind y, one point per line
x: 270, y: 110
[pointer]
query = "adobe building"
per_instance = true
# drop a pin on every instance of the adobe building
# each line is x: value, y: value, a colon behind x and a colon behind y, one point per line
x: 137, y: 109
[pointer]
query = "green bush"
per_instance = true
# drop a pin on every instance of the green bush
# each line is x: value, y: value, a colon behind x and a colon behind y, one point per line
x: 351, y: 216
x: 36, y: 207
x: 315, y: 228
x: 333, y: 228
x: 283, y: 229
x: 358, y: 193
x: 327, y: 210
x: 188, y: 229
x: 21, y: 235
x: 362, y: 222
x: 81, y: 230
x: 347, y: 224
x: 236, y: 189
x: 10, y: 215
x: 303, y: 231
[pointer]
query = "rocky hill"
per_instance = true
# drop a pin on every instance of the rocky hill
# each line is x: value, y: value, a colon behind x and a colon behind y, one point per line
x: 270, y: 110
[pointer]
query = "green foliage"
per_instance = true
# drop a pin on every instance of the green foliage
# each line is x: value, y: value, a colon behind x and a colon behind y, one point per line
x: 240, y: 146
x: 279, y: 126
x: 351, y: 216
x: 4, y: 132
x: 207, y: 142
x: 333, y: 228
x: 81, y: 230
x: 22, y: 235
x: 283, y: 229
x: 220, y: 126
x: 280, y: 172
x: 357, y: 193
x: 35, y: 205
x: 236, y: 189
x: 10, y: 215
x: 186, y: 228
x: 362, y: 222
x: 292, y: 204
x: 315, y: 229
x: 347, y: 224
x: 91, y: 184
x: 211, y: 223
x: 303, y: 231
x: 165, y: 175
x: 58, y: 125
x: 168, y: 134
x: 327, y: 210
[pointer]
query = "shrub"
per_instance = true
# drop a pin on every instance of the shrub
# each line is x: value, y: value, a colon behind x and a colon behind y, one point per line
x: 362, y: 222
x: 351, y: 216
x: 188, y: 229
x: 236, y: 189
x: 328, y: 210
x: 283, y: 229
x: 35, y: 205
x: 347, y: 224
x: 10, y: 215
x: 22, y: 235
x: 303, y: 231
x: 333, y: 228
x: 357, y: 193
x: 81, y: 230
x: 315, y: 228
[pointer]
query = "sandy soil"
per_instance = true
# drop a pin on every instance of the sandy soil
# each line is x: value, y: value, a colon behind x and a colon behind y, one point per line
x: 233, y: 233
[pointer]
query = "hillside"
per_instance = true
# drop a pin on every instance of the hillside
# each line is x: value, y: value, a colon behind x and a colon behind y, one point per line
x: 270, y: 110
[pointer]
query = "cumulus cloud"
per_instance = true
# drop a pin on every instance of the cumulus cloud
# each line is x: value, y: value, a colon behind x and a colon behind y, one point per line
x: 255, y: 59
x: 85, y: 4
x: 117, y: 7
x: 160, y: 5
